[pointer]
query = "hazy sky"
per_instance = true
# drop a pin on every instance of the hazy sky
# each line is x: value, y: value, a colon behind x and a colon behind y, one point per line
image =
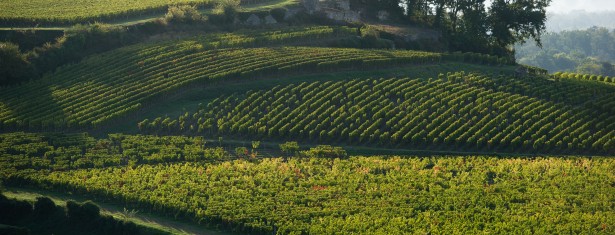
x: 564, y: 6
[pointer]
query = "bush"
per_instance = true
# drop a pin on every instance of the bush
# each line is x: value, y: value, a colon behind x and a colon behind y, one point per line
x: 13, y: 210
x: 14, y: 67
x: 325, y: 151
x: 241, y: 151
x: 183, y: 14
x: 225, y: 12
x: 84, y: 212
x: 289, y: 147
x: 278, y: 13
x: 7, y: 229
x: 44, y: 206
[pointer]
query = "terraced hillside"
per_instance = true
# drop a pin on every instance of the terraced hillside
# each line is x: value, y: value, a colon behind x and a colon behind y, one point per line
x: 116, y: 83
x: 376, y: 195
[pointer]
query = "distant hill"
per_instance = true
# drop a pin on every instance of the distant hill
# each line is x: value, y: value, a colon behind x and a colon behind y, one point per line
x: 585, y: 51
x: 580, y: 20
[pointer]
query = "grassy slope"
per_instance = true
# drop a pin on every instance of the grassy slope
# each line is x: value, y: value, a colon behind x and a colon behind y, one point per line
x: 189, y: 100
x: 126, y: 19
x: 79, y: 95
x: 574, y: 110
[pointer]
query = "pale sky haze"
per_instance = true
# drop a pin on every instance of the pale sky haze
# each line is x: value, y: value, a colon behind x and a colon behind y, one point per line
x: 565, y: 6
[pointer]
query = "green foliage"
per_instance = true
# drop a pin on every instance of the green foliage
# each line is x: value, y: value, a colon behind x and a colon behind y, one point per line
x: 41, y: 106
x: 278, y: 13
x: 183, y: 14
x: 291, y: 147
x: 468, y: 25
x: 46, y: 218
x: 225, y: 11
x: 474, y: 112
x: 324, y: 151
x: 367, y: 195
x: 87, y: 211
x: 78, y: 11
x: 13, y: 230
x: 14, y: 66
x: 589, y: 51
x: 44, y: 206
x: 242, y: 151
x: 66, y: 152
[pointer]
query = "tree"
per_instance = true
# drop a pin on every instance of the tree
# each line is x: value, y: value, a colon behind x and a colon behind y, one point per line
x: 515, y: 21
x: 226, y: 11
x: 183, y: 14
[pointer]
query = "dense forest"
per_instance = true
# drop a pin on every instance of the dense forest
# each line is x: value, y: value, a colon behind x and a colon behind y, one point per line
x: 590, y: 51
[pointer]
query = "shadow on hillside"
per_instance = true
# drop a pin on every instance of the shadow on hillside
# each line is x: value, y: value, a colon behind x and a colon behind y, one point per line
x: 31, y: 106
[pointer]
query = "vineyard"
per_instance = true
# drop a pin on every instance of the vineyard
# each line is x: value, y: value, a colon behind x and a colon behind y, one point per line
x: 377, y: 195
x: 457, y: 110
x: 116, y: 83
x: 77, y: 11
x: 591, y: 77
x: 297, y: 117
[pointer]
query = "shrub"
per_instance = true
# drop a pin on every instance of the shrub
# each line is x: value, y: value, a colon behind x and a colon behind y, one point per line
x: 278, y: 13
x: 85, y: 212
x: 183, y: 14
x: 225, y: 11
x: 289, y: 147
x: 44, y: 206
x: 14, y: 67
x: 325, y: 151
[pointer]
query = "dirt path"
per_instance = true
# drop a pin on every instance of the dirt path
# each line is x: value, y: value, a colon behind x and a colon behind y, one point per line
x: 116, y: 210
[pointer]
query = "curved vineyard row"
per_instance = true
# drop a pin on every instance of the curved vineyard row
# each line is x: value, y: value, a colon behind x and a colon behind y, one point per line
x: 591, y: 77
x: 113, y: 84
x: 457, y: 110
x: 370, y: 195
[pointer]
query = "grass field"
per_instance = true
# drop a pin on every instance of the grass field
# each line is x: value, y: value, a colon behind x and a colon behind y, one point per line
x: 80, y: 10
x: 61, y: 12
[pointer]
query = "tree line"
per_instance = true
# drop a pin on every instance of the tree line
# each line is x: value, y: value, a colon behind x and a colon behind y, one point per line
x: 590, y: 51
x: 471, y: 25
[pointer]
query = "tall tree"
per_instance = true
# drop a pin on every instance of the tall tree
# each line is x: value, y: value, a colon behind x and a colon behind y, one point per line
x: 514, y: 21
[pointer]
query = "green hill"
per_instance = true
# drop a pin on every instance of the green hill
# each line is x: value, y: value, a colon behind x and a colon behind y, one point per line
x: 78, y: 11
x: 113, y: 84
x: 454, y: 111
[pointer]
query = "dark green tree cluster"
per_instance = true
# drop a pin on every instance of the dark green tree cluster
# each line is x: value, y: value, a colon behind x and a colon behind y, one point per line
x: 45, y: 217
x: 470, y: 25
x: 14, y: 66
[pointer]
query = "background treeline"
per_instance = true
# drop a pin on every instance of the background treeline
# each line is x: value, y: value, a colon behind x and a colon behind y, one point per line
x: 45, y: 217
x: 590, y: 51
x: 469, y: 25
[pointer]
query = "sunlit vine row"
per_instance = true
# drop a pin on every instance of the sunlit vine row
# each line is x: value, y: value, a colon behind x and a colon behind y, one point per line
x: 457, y: 110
